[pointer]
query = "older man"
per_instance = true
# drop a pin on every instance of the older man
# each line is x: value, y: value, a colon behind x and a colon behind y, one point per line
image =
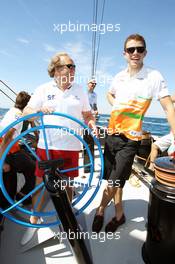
x: 92, y: 96
x: 64, y: 96
x: 87, y: 137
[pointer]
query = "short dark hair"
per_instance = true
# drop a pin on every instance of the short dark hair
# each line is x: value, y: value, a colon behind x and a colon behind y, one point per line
x: 136, y: 37
x: 22, y: 100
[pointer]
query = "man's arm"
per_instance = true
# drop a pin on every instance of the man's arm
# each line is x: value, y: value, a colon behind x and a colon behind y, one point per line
x: 153, y: 155
x: 29, y: 110
x: 36, y: 132
x: 111, y: 98
x: 95, y: 109
x: 89, y: 119
x: 6, y: 140
x: 168, y: 107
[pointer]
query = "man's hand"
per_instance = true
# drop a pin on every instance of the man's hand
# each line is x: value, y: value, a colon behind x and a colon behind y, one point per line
x: 28, y: 110
x: 95, y: 113
x: 6, y: 167
x: 95, y: 132
x: 171, y: 150
x: 111, y: 98
x: 151, y: 166
x: 46, y: 110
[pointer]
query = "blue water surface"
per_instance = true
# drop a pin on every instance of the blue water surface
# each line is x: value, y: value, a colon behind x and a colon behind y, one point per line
x: 157, y: 126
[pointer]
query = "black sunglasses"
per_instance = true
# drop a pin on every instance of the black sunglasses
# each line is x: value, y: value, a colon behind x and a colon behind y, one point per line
x: 131, y: 50
x: 70, y: 66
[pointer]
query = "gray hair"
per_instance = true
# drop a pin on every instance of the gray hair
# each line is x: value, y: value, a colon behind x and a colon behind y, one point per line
x: 55, y: 61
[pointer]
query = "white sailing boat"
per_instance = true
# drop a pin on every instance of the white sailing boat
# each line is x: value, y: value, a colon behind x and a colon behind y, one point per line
x: 51, y: 244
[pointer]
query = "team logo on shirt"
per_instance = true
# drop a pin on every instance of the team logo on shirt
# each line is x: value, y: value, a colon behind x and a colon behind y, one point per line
x: 17, y: 116
x: 51, y: 97
x: 77, y: 97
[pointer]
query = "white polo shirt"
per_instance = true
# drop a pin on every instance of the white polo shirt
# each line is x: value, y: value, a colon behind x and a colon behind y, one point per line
x: 12, y: 115
x: 72, y: 101
x: 133, y: 96
x: 165, y: 143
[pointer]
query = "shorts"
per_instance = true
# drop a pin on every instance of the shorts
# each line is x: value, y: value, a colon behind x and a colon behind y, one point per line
x: 70, y: 161
x: 119, y: 155
x: 164, y: 142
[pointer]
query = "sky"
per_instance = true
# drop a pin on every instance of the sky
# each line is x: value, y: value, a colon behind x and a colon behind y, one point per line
x: 31, y: 34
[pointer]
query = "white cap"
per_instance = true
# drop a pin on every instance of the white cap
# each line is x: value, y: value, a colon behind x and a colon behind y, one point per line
x: 92, y: 81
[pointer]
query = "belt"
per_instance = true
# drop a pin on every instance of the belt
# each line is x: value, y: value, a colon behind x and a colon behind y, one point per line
x: 120, y: 135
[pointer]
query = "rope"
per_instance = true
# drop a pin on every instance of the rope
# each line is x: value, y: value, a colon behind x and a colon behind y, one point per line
x: 99, y: 38
x: 94, y: 36
x: 7, y: 95
x: 165, y: 177
x: 8, y: 87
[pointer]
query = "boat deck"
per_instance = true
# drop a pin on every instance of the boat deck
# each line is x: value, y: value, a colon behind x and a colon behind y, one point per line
x: 122, y: 247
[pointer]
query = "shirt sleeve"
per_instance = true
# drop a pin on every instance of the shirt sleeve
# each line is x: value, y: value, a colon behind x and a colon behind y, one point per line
x: 112, y: 88
x: 161, y: 89
x: 36, y: 100
x: 95, y: 101
x: 85, y: 100
x: 11, y: 116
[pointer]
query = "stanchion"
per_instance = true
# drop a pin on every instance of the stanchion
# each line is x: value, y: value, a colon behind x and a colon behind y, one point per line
x: 54, y: 184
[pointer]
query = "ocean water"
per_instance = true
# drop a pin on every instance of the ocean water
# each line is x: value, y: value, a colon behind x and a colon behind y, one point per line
x: 157, y: 126
x: 2, y: 112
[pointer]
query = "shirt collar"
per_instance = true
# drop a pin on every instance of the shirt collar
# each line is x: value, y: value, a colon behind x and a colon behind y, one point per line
x: 55, y: 85
x: 140, y: 75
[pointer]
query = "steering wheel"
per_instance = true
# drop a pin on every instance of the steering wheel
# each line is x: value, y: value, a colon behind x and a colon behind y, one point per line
x: 41, y: 127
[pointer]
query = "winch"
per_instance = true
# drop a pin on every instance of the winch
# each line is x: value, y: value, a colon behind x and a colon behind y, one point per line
x: 160, y: 242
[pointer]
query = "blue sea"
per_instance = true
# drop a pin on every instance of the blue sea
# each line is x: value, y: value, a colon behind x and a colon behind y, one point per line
x: 157, y: 126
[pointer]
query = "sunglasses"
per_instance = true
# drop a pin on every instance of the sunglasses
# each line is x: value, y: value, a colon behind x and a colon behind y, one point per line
x: 131, y: 50
x: 69, y: 66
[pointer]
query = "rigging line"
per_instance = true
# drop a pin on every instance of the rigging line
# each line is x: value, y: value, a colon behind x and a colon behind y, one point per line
x: 8, y: 87
x: 7, y: 95
x: 95, y: 36
x: 99, y: 37
x: 93, y: 21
